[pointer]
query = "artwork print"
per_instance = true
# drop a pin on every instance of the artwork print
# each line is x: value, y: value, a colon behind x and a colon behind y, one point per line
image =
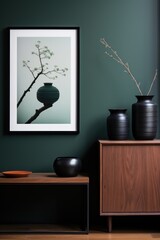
x: 43, y: 80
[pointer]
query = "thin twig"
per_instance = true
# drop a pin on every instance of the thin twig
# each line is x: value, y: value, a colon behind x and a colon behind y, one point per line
x: 114, y: 55
x: 155, y: 76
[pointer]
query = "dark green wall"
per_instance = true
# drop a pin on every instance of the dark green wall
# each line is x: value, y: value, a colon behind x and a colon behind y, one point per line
x: 131, y: 27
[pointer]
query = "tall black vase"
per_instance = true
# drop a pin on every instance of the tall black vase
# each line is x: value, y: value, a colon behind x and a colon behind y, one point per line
x: 117, y: 124
x: 144, y: 118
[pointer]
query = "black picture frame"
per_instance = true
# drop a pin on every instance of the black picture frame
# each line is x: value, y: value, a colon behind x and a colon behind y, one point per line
x: 44, y: 79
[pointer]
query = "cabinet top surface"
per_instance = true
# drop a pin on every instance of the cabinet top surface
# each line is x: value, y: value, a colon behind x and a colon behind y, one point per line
x: 43, y: 178
x: 130, y: 142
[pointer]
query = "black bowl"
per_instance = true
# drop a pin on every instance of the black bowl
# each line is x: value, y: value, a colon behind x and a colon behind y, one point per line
x: 67, y: 166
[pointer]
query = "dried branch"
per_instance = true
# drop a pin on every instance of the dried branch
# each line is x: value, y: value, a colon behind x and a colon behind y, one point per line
x: 155, y: 76
x: 114, y: 55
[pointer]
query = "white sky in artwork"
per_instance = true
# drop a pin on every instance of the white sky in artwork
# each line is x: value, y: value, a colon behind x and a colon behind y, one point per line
x: 60, y: 46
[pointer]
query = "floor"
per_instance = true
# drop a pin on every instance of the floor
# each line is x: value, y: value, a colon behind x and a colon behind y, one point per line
x: 90, y: 236
x: 131, y: 228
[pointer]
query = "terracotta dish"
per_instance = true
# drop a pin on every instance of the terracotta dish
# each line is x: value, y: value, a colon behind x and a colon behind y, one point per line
x: 16, y: 173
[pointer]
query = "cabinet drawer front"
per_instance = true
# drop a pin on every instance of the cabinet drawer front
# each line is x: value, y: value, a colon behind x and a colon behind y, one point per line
x: 130, y: 179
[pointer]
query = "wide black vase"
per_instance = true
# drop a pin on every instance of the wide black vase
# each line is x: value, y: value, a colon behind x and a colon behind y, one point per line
x: 67, y: 166
x: 118, y: 124
x: 144, y: 118
x: 47, y: 94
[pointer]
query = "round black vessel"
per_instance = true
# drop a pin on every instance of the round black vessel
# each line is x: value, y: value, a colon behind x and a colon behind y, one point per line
x: 67, y: 166
x: 48, y: 94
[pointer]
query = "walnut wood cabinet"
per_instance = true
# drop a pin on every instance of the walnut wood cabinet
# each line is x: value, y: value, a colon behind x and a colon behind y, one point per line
x: 129, y: 178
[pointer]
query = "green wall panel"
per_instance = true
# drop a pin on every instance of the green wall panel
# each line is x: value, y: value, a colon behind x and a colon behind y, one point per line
x: 130, y: 26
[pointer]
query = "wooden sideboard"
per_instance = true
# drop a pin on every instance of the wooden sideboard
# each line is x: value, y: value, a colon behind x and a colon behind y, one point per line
x: 49, y: 179
x: 129, y: 178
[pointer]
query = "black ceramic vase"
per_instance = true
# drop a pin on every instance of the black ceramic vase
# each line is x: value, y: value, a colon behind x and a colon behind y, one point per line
x: 144, y: 118
x: 67, y: 166
x: 47, y: 94
x: 117, y: 124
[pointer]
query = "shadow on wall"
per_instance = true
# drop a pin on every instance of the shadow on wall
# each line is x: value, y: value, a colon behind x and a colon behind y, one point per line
x: 91, y: 160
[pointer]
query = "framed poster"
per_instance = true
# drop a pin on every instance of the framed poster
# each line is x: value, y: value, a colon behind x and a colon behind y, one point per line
x: 44, y: 78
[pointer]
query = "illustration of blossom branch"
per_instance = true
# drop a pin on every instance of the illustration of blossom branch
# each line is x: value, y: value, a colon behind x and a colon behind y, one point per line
x: 43, y: 53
